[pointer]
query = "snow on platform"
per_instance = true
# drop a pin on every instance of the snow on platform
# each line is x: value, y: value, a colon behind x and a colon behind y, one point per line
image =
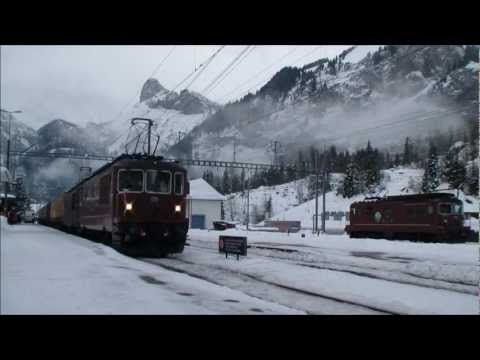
x: 46, y: 271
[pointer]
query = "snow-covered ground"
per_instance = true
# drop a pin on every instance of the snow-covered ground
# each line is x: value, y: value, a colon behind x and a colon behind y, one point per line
x: 45, y: 271
x: 390, y: 276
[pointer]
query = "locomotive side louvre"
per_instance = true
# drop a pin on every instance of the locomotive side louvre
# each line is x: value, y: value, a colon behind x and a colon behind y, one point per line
x: 429, y: 216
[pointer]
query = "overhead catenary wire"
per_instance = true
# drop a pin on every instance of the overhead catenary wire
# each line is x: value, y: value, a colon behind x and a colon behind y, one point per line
x: 242, y: 56
x: 261, y: 72
x: 290, y: 64
x: 200, y: 70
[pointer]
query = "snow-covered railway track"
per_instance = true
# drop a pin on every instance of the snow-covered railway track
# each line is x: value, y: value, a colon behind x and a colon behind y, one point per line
x: 398, y: 276
x: 309, y: 301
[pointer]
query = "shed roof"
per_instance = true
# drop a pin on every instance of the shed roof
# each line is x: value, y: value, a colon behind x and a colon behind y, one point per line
x: 201, y: 190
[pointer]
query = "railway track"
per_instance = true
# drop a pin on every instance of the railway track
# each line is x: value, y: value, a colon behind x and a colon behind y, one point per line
x: 300, y: 295
x: 365, y: 271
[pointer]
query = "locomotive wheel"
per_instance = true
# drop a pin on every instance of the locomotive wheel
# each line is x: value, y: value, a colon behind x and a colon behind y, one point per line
x: 117, y: 242
x: 106, y: 238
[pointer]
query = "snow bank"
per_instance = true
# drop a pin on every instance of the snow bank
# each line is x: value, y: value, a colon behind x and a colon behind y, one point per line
x: 45, y: 271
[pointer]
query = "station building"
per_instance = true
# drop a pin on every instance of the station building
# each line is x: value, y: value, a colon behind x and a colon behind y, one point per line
x: 204, y: 205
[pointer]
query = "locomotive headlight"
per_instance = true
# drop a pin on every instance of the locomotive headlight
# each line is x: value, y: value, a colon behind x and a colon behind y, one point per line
x: 128, y: 206
x: 178, y: 208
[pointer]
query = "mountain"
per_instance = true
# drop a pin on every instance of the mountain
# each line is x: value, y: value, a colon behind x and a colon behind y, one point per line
x: 390, y: 93
x: 23, y: 136
x: 173, y: 114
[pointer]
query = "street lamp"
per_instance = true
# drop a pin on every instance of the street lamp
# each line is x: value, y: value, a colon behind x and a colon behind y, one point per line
x: 8, y: 151
x: 9, y: 134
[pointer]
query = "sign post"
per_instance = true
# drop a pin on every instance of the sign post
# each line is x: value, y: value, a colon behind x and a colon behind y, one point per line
x: 232, y: 245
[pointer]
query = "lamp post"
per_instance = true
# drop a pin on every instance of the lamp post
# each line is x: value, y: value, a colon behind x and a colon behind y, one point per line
x: 8, y: 152
x: 9, y: 134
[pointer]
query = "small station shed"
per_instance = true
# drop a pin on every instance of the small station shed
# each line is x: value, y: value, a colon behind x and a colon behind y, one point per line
x: 204, y: 205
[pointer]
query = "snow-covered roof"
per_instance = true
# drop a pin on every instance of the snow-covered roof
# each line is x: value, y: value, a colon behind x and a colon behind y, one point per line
x: 201, y: 190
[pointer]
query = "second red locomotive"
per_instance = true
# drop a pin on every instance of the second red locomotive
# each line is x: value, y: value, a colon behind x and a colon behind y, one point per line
x: 135, y: 203
x: 426, y: 217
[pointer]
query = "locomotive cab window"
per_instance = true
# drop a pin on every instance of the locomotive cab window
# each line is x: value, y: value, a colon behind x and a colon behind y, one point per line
x: 449, y: 208
x: 159, y: 181
x: 130, y: 181
x: 178, y: 183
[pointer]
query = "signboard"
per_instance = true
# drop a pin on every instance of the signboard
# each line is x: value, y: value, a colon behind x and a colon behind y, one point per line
x: 232, y: 245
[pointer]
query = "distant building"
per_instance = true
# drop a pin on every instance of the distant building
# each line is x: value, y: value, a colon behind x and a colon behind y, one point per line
x: 284, y: 226
x: 204, y: 205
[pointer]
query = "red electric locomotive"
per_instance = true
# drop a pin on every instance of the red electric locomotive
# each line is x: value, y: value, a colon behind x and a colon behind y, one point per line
x: 426, y: 217
x: 135, y: 203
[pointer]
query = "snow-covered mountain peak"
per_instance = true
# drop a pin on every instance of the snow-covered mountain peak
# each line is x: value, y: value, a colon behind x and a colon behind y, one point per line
x: 151, y: 88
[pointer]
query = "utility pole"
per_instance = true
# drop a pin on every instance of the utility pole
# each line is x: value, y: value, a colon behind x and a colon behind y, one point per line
x: 149, y: 124
x: 7, y: 185
x: 324, y: 188
x: 234, y: 149
x: 275, y: 151
x: 180, y: 136
x: 315, y: 222
x: 248, y: 204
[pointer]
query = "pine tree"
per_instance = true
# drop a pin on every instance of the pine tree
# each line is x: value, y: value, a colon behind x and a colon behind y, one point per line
x: 406, y: 153
x: 472, y: 180
x: 236, y: 185
x: 370, y: 168
x: 397, y: 160
x: 226, y: 185
x: 430, y: 180
x: 313, y: 85
x: 242, y: 180
x: 349, y: 186
x: 268, y: 207
x: 454, y: 171
x: 388, y: 161
x: 311, y: 186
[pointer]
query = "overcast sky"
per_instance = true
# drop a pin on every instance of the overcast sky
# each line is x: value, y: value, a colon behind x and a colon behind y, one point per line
x: 94, y: 83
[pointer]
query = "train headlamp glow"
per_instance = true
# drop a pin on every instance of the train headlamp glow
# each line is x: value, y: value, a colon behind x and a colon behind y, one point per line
x: 128, y: 206
x: 178, y: 208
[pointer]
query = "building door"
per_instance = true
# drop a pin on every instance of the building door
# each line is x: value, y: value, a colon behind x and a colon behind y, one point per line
x: 198, y: 222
